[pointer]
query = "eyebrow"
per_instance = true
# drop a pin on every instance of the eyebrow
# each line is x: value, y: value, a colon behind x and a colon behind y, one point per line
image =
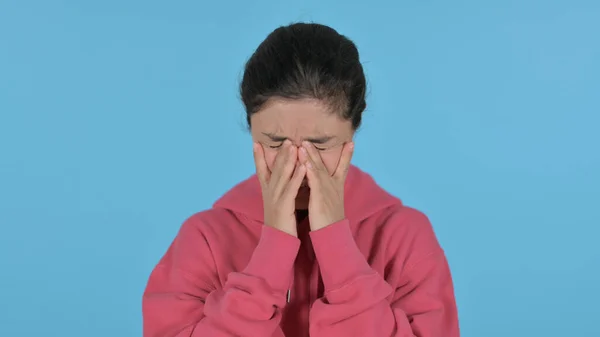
x: 314, y: 140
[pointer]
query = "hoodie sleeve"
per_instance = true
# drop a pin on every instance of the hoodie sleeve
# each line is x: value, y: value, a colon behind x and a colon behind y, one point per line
x: 183, y: 297
x: 359, y: 302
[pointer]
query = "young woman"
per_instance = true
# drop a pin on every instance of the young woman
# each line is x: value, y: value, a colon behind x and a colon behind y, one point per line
x: 310, y: 245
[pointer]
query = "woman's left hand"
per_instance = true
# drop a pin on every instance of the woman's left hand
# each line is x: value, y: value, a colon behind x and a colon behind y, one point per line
x: 326, y: 203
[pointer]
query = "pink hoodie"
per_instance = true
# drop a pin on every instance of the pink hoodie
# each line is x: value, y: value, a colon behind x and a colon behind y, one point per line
x: 378, y: 273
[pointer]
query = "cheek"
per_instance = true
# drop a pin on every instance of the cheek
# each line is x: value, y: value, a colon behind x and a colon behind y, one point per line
x: 270, y: 155
x: 331, y: 159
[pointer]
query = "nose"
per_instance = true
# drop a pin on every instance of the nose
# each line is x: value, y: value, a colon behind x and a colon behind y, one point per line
x: 296, y: 143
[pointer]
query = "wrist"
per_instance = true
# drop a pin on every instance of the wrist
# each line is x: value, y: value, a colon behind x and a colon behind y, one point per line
x: 273, y: 258
x: 323, y: 222
x: 289, y: 231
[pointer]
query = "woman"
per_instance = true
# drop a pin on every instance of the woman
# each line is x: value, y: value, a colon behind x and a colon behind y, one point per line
x: 310, y: 245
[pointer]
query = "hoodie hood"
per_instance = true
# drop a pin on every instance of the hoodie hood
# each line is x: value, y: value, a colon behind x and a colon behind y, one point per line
x: 363, y: 197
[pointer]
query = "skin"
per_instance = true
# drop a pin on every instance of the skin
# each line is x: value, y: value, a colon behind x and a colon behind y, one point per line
x: 302, y: 154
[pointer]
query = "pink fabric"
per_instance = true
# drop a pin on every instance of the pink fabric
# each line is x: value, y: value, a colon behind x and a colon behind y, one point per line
x: 380, y: 272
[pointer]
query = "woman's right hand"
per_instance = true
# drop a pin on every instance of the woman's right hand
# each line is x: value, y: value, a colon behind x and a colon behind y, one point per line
x: 280, y: 186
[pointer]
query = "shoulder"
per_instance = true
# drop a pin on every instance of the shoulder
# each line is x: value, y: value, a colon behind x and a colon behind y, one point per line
x: 213, y: 223
x: 200, y: 237
x: 404, y: 218
x: 410, y: 233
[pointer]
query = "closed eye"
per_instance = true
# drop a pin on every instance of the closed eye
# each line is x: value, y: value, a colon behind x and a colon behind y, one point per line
x: 280, y: 144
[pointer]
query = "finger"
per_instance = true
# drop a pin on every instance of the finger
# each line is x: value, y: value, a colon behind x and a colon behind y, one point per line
x: 344, y: 165
x: 314, y: 158
x: 280, y: 159
x: 314, y: 180
x: 291, y: 190
x: 262, y: 171
x: 286, y: 169
x: 303, y: 156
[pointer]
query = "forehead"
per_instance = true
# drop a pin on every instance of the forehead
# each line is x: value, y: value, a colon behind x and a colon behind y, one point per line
x: 298, y: 118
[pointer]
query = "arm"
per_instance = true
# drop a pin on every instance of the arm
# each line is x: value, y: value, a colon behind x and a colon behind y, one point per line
x: 183, y: 296
x: 357, y: 299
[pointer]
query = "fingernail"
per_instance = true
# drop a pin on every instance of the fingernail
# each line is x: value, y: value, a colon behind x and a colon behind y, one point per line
x: 305, y: 144
x: 255, y: 147
x: 303, y: 150
x: 351, y: 146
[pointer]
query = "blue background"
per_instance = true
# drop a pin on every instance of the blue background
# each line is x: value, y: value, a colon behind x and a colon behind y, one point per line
x: 119, y: 119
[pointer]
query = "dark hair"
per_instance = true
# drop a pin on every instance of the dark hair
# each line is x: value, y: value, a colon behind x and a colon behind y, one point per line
x: 306, y: 60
